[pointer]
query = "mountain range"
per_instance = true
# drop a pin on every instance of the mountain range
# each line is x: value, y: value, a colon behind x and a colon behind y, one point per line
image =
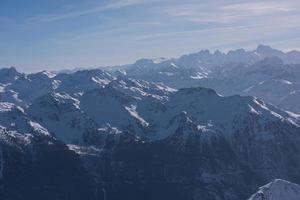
x: 266, y: 73
x: 203, y: 126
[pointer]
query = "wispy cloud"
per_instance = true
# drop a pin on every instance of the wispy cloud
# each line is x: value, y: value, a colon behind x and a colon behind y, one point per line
x: 189, y: 33
x: 115, y: 4
x: 258, y: 8
x: 227, y: 13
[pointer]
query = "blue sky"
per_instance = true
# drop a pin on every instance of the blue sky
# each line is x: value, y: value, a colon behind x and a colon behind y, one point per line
x: 60, y: 34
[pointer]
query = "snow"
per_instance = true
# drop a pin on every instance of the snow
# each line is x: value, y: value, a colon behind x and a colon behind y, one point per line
x: 2, y: 88
x: 145, y: 108
x: 174, y: 65
x: 88, y: 99
x: 252, y: 110
x: 49, y: 74
x: 100, y: 81
x: 110, y: 130
x: 166, y: 88
x: 61, y: 114
x: 55, y: 84
x: 286, y: 82
x: 293, y: 114
x: 198, y: 76
x: 158, y: 60
x: 82, y: 150
x: 38, y: 128
x: 6, y: 107
x: 248, y: 89
x: 278, y: 190
x: 76, y: 102
x: 203, y: 128
x: 132, y: 111
x: 21, y: 109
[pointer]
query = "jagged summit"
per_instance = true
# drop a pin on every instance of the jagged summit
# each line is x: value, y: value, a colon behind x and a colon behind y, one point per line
x: 11, y: 70
x: 264, y: 48
x: 8, y: 75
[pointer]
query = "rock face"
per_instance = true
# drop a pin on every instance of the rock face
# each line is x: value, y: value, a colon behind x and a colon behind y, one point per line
x: 40, y: 167
x: 278, y: 190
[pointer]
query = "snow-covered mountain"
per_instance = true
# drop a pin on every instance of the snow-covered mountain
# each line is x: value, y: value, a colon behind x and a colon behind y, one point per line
x: 82, y: 80
x: 278, y: 190
x: 149, y: 131
x: 23, y: 89
x: 205, y: 63
x: 62, y: 116
x: 150, y: 111
x: 267, y: 73
x: 138, y: 136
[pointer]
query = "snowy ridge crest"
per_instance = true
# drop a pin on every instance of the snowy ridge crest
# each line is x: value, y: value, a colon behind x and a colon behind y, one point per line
x: 278, y: 190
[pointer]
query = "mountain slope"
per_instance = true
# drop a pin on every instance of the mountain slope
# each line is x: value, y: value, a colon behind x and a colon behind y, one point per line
x: 40, y: 167
x: 23, y: 89
x: 278, y: 190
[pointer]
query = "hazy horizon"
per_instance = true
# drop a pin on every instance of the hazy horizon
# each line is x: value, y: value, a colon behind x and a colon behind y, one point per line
x: 62, y: 68
x: 55, y: 35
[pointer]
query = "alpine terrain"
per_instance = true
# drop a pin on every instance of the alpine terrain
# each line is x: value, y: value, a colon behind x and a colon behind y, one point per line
x: 209, y: 126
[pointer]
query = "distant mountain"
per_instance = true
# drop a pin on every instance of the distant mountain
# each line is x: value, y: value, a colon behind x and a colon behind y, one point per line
x: 236, y: 72
x: 291, y: 57
x: 267, y: 73
x: 8, y: 75
x: 206, y: 62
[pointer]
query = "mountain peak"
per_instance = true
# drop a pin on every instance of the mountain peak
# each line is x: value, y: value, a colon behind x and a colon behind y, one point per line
x: 263, y: 47
x: 9, y: 69
x: 143, y: 61
x: 8, y: 74
x: 266, y: 50
x: 278, y: 190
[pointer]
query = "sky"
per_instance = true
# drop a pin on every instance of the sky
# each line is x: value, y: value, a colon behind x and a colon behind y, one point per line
x: 65, y: 34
